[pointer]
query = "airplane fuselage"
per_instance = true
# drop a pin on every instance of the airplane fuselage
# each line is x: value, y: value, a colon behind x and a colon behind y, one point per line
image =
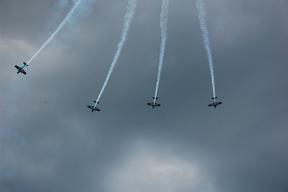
x: 21, y: 69
x: 94, y: 108
x: 154, y: 104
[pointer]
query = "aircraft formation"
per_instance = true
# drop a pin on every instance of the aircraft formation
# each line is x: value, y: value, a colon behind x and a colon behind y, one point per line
x: 127, y: 21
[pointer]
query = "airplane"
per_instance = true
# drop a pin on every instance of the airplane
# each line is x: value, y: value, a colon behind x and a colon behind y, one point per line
x: 154, y: 104
x: 21, y: 69
x: 94, y: 108
x: 215, y: 103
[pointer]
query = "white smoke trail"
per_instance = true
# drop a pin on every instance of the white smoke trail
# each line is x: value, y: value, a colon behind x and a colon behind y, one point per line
x: 202, y: 19
x: 59, y: 6
x: 127, y: 21
x: 163, y: 25
x: 67, y: 18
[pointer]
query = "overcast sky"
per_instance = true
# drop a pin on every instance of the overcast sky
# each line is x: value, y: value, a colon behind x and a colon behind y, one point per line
x: 50, y: 141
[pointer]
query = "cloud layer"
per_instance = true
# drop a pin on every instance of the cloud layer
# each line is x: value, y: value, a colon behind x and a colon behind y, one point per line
x: 50, y: 141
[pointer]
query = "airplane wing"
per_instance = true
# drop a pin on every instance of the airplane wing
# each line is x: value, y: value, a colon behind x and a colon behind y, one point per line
x: 157, y: 104
x: 24, y: 72
x: 149, y: 103
x: 17, y: 67
x: 210, y: 105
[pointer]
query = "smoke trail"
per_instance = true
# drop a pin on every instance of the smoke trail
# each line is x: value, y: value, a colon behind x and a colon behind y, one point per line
x: 163, y: 25
x: 67, y: 18
x: 60, y: 5
x: 127, y: 21
x: 202, y: 19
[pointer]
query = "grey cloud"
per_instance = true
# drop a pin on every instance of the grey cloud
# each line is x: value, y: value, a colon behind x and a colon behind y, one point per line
x: 57, y: 144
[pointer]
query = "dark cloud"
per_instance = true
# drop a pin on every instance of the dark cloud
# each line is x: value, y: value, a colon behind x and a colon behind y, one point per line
x: 50, y: 141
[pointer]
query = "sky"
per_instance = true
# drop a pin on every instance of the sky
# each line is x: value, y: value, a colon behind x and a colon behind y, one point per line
x: 50, y: 141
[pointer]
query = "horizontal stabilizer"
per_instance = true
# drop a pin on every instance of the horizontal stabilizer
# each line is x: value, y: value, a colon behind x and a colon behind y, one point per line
x: 155, y: 98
